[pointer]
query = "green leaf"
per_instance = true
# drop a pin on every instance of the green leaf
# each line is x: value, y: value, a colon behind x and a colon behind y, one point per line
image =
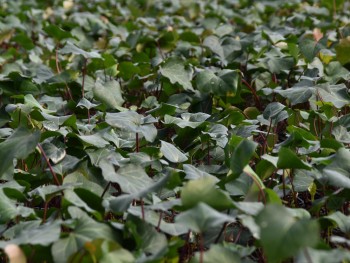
x: 288, y: 159
x: 187, y: 119
x: 43, y: 235
x: 70, y: 48
x: 324, y: 256
x: 174, y: 69
x: 272, y: 110
x: 86, y: 104
x: 297, y: 95
x: 302, y: 180
x: 278, y: 64
x: 241, y: 156
x: 338, y: 172
x: 8, y: 208
x: 336, y: 94
x: 282, y: 235
x: 122, y: 202
x: 52, y: 152
x: 342, y: 221
x: 66, y: 165
x: 341, y: 134
x: 23, y: 40
x: 109, y: 93
x: 133, y: 122
x: 150, y: 240
x: 217, y: 253
x: 19, y: 145
x: 127, y: 70
x: 132, y: 178
x: 152, y: 218
x: 205, y: 190
x: 202, y: 217
x: 94, y: 139
x: 343, y: 51
x: 85, y: 230
x: 193, y: 173
x: 226, y: 82
x: 47, y: 191
x: 309, y: 48
x: 172, y: 153
x: 63, y: 248
x: 57, y: 32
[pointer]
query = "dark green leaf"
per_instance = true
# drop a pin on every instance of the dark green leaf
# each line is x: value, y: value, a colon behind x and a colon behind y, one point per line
x: 19, y: 145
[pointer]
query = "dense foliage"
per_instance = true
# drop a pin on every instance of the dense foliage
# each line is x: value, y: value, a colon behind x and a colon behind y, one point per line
x: 175, y: 130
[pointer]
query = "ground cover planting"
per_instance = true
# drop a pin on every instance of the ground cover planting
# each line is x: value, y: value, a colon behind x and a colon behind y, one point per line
x: 175, y: 131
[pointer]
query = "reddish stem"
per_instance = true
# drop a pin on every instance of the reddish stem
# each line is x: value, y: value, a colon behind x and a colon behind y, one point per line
x: 256, y: 98
x: 220, y: 233
x: 142, y: 210
x: 45, y: 211
x: 83, y: 81
x: 57, y: 63
x: 105, y: 190
x: 267, y: 135
x: 49, y: 165
x: 201, y: 247
x: 137, y: 143
x: 160, y: 220
x: 89, y: 116
x: 208, y: 154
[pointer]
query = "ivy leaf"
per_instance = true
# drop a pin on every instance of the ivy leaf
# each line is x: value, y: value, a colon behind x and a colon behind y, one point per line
x: 204, y: 190
x: 272, y: 110
x: 172, y: 153
x: 336, y: 94
x: 19, y: 145
x: 202, y: 217
x: 43, y: 235
x: 133, y: 122
x: 282, y: 234
x: 174, y: 69
x: 187, y: 120
x: 193, y: 173
x: 343, y: 50
x: 225, y: 83
x: 85, y: 229
x: 342, y: 221
x: 338, y: 172
x: 241, y: 156
x: 108, y: 93
x: 86, y: 104
x: 70, y: 48
x: 57, y: 32
x: 132, y: 178
x: 218, y: 253
x: 309, y: 47
x: 297, y: 95
x: 288, y: 159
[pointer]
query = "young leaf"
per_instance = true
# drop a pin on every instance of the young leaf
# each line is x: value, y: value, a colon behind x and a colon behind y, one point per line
x: 288, y: 159
x: 19, y: 145
x: 283, y: 235
x: 202, y: 217
x: 172, y: 153
x: 174, y: 69
x: 226, y: 82
x: 241, y: 156
x: 109, y: 93
x: 204, y: 190
x: 70, y: 48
